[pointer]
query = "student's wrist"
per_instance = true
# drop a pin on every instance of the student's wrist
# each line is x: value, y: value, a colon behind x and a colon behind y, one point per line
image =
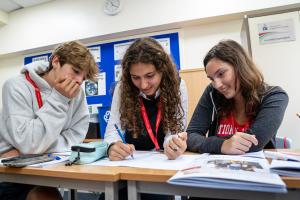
x: 110, y: 145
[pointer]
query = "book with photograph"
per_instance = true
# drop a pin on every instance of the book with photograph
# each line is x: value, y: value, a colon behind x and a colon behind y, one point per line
x: 230, y: 172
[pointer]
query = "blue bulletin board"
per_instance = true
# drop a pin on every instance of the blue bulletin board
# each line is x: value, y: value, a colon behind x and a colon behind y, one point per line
x: 108, y: 57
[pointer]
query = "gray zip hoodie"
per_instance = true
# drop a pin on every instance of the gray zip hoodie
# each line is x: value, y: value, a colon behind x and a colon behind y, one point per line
x: 204, y: 123
x: 56, y: 126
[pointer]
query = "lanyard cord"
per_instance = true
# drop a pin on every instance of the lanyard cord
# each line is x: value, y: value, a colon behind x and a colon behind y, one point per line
x: 36, y: 89
x: 147, y: 122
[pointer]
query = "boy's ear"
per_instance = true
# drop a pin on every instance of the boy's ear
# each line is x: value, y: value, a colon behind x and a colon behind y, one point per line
x: 55, y: 62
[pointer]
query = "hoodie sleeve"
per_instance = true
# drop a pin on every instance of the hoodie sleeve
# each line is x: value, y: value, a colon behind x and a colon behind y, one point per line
x: 199, y: 126
x: 79, y: 123
x: 269, y: 117
x: 33, y: 130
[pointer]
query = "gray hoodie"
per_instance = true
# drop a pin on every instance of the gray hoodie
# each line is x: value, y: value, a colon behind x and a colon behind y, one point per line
x: 204, y: 123
x: 56, y: 126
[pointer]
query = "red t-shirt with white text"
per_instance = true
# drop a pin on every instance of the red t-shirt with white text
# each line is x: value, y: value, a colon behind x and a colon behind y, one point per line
x: 229, y: 126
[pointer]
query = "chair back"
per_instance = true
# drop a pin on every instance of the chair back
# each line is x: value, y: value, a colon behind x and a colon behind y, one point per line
x: 283, y: 142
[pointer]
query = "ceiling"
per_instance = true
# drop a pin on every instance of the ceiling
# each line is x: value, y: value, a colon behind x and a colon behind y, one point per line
x: 12, y: 5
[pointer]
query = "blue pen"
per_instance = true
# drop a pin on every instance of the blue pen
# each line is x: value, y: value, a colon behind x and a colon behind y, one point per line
x: 55, y: 157
x: 121, y: 136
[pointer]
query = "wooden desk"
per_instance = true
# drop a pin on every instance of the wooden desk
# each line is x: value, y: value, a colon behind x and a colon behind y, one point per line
x: 83, y: 177
x: 154, y: 181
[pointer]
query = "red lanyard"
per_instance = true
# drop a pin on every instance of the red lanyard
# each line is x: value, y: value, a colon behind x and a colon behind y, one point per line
x: 36, y: 89
x: 147, y: 122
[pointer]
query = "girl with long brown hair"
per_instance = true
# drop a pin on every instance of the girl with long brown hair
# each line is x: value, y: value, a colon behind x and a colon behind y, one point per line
x: 238, y: 112
x: 149, y: 104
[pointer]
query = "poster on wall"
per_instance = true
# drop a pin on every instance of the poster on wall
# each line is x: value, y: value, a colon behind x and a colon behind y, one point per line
x: 118, y: 72
x: 276, y: 31
x: 165, y: 43
x: 120, y: 49
x: 102, y: 83
x: 95, y: 51
x: 91, y: 88
x: 40, y: 58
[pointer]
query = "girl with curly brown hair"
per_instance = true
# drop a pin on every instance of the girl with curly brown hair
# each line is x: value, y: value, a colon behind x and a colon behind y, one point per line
x: 149, y: 104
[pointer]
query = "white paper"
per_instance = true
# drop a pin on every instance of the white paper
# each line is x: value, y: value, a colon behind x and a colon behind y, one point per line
x: 151, y: 160
x: 165, y: 43
x: 96, y: 52
x: 120, y: 49
x: 258, y: 154
x: 44, y: 164
x: 102, y: 83
x: 118, y: 72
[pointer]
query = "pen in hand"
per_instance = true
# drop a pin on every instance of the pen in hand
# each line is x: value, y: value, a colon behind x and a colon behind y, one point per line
x: 121, y: 136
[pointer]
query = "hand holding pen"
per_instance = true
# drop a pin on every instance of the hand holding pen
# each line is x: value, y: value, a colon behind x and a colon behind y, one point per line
x: 120, y: 150
x: 176, y: 145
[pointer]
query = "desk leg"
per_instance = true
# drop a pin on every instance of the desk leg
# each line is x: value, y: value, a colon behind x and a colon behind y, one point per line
x: 133, y: 193
x: 111, y: 191
x: 72, y: 194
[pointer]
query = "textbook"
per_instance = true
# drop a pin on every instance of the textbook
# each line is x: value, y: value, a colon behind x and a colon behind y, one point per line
x: 286, y: 168
x: 230, y: 172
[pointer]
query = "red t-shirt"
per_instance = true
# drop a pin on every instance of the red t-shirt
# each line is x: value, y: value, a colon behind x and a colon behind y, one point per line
x: 229, y: 126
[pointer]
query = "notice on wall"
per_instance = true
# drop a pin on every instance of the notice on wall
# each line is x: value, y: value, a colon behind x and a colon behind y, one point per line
x: 118, y: 72
x: 102, y: 83
x: 91, y: 88
x: 165, y: 43
x: 40, y: 58
x: 96, y: 52
x: 277, y: 31
x: 120, y: 49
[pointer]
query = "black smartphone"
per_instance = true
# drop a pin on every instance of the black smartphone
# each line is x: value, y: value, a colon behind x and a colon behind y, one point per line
x: 25, y: 160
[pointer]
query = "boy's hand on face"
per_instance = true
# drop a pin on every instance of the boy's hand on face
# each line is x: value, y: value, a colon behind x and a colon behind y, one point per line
x: 67, y: 87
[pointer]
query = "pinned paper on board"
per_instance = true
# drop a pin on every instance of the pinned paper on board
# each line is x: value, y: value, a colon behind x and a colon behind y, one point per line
x: 102, y: 83
x: 165, y: 43
x: 96, y: 52
x: 118, y: 72
x: 91, y: 88
x: 120, y: 49
x: 276, y: 31
x: 40, y: 58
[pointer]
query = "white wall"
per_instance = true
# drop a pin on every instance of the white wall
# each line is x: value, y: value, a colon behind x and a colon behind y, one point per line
x: 57, y: 21
x: 280, y: 65
x: 9, y: 67
x: 197, y: 40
